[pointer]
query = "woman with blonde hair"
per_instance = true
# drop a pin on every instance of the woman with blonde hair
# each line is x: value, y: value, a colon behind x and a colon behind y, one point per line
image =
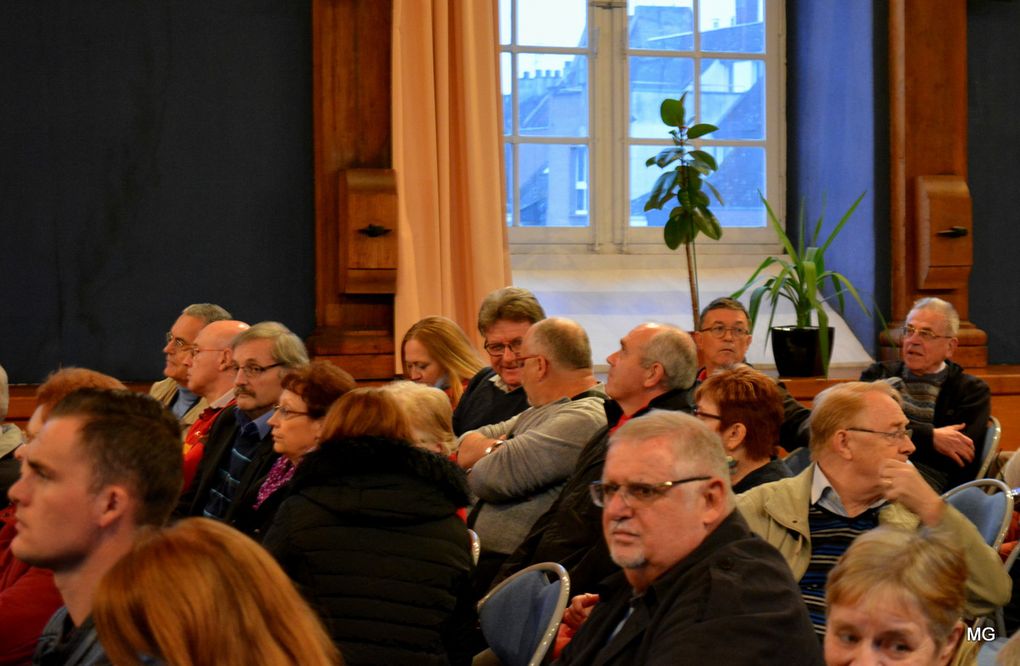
x: 897, y: 595
x: 201, y: 592
x: 430, y: 415
x: 436, y: 352
x: 370, y: 534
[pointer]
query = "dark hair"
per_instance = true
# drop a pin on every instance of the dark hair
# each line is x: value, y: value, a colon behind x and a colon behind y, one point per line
x: 130, y: 439
x: 319, y: 384
x: 744, y: 395
x: 725, y: 303
x: 511, y: 304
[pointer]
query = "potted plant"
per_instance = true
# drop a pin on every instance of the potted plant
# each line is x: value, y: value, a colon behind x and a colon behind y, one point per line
x: 683, y: 185
x: 801, y: 277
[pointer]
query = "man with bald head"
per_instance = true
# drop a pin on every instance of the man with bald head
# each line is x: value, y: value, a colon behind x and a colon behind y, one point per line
x: 173, y: 390
x: 697, y: 586
x: 518, y: 467
x: 654, y: 368
x: 861, y: 478
x: 210, y: 376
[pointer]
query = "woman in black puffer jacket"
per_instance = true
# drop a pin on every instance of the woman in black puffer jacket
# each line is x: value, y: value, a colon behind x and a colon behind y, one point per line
x: 371, y: 536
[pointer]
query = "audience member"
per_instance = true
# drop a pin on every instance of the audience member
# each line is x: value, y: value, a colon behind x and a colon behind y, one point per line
x: 28, y: 597
x: 11, y: 438
x: 860, y: 478
x: 745, y: 408
x: 371, y: 536
x: 723, y: 340
x: 308, y: 393
x: 210, y: 376
x: 239, y: 449
x: 435, y: 352
x: 948, y: 408
x: 518, y: 467
x: 495, y: 394
x: 173, y: 390
x: 653, y: 369
x: 896, y: 596
x: 203, y: 593
x: 103, y: 465
x: 697, y: 587
x: 429, y: 413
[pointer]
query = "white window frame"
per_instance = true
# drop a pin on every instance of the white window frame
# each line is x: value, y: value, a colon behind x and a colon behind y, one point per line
x: 608, y: 142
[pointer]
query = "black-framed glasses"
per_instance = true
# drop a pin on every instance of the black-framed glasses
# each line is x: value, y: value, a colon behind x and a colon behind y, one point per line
x: 286, y: 413
x: 895, y: 434
x: 926, y: 334
x: 251, y: 371
x: 635, y: 494
x: 499, y: 348
x: 720, y: 331
x: 702, y: 414
x: 180, y: 344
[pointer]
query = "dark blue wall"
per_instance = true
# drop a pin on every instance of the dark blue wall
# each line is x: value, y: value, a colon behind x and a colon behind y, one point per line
x: 993, y: 53
x: 838, y: 146
x: 152, y: 154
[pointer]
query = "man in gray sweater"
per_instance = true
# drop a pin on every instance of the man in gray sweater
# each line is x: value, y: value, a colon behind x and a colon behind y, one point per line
x: 518, y: 467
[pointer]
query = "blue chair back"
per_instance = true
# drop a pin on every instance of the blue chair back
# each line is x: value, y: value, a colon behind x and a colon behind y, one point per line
x: 520, y: 616
x: 990, y: 513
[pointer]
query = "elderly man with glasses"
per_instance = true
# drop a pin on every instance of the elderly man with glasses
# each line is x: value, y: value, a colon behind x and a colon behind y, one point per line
x: 861, y: 478
x: 173, y: 390
x: 495, y: 393
x: 723, y: 340
x: 239, y: 448
x: 948, y: 408
x: 697, y: 586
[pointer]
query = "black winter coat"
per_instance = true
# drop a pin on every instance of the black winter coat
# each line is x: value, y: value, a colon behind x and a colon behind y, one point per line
x: 371, y: 536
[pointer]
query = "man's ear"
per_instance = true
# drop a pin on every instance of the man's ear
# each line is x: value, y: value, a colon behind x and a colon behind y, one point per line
x: 112, y: 503
x: 226, y: 358
x: 841, y: 445
x: 951, y: 349
x: 715, y: 501
x: 946, y: 653
x: 654, y: 375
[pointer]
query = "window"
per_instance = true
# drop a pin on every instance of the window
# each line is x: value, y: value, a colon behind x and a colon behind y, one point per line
x: 582, y: 83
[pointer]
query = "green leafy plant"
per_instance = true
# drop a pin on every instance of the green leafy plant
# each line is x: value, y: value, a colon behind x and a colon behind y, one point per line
x: 683, y: 185
x: 801, y: 277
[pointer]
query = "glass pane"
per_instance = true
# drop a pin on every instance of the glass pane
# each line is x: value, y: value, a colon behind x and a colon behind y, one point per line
x: 741, y: 175
x: 651, y: 81
x: 505, y: 8
x: 552, y: 23
x: 552, y: 94
x: 737, y: 27
x: 506, y: 77
x: 554, y: 181
x: 660, y: 25
x: 733, y: 98
x: 508, y: 165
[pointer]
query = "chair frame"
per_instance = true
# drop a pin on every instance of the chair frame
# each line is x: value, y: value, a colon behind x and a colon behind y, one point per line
x: 549, y: 634
x: 476, y: 545
x: 991, y: 446
x: 986, y: 485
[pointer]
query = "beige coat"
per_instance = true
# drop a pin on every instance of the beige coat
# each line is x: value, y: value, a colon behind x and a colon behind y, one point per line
x: 778, y: 512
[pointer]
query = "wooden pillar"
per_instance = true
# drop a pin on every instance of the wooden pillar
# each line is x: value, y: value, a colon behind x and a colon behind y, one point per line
x: 355, y: 194
x: 930, y: 202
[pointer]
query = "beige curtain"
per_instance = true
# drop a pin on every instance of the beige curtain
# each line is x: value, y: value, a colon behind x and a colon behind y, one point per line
x: 447, y: 152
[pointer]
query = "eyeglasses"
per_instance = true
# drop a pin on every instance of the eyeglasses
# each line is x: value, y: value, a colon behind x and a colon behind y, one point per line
x: 640, y: 493
x: 926, y: 334
x: 194, y: 351
x: 252, y: 371
x: 498, y: 348
x: 701, y: 414
x: 720, y: 331
x: 287, y: 414
x: 895, y: 434
x: 180, y: 344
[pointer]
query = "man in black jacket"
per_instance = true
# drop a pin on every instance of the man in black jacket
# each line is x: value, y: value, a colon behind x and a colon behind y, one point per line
x: 653, y: 369
x: 697, y: 586
x: 239, y: 450
x: 948, y: 409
